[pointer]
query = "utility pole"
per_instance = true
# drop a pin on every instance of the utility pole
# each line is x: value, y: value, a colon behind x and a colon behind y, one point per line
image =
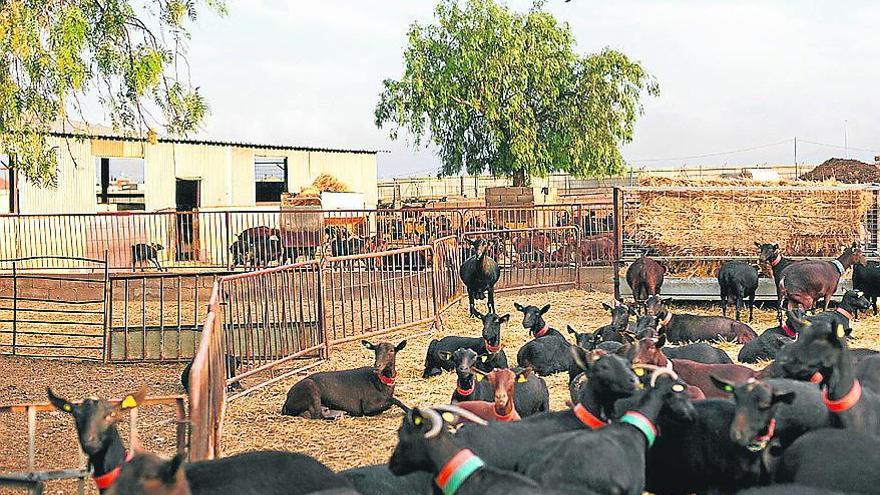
x: 845, y: 140
x: 796, y: 171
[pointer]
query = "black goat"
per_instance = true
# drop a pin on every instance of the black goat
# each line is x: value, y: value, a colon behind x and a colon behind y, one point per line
x: 777, y: 410
x: 142, y: 253
x: 425, y: 444
x: 548, y: 352
x: 366, y: 391
x: 851, y: 303
x: 242, y: 474
x: 822, y: 348
x: 439, y: 355
x: 232, y: 364
x: 700, y: 352
x: 621, y: 446
x: 767, y: 345
x: 844, y: 460
x: 530, y: 397
x: 738, y: 281
x: 690, y: 328
x: 480, y: 273
x: 620, y: 314
x: 510, y: 445
x: 96, y: 428
x: 867, y: 279
x: 770, y: 255
x: 379, y: 480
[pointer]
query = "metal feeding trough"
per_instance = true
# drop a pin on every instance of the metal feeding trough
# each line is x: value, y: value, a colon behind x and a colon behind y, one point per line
x: 707, y: 289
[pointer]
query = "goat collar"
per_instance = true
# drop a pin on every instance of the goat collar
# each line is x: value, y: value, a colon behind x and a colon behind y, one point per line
x: 760, y: 442
x: 788, y: 331
x: 845, y: 313
x: 776, y: 260
x: 837, y: 264
x: 465, y: 392
x: 587, y: 418
x: 846, y: 402
x: 107, y: 479
x: 543, y: 331
x: 817, y: 378
x: 643, y: 424
x: 665, y: 320
x: 492, y: 348
x: 504, y: 417
x: 457, y: 470
x: 387, y: 380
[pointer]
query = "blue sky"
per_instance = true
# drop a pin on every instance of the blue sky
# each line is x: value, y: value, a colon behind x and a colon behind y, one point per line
x: 733, y: 75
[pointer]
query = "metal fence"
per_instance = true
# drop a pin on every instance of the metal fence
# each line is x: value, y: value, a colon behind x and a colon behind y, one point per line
x: 207, y: 386
x: 34, y: 479
x: 49, y: 315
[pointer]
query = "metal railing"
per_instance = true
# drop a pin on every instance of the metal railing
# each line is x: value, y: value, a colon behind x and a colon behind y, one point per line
x: 33, y: 479
x: 207, y: 387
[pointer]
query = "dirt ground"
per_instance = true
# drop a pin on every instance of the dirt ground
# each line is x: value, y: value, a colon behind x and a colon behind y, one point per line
x: 254, y: 422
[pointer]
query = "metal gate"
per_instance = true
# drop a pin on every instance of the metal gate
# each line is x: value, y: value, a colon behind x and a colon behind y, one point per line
x: 53, y: 315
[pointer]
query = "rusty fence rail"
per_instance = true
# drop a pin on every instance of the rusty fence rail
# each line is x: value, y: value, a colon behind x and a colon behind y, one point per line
x: 207, y: 386
x: 34, y: 479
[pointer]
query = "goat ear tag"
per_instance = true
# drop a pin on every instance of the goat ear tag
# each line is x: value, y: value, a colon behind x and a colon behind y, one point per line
x: 728, y: 388
x: 448, y: 417
x: 67, y: 408
x: 639, y: 371
x: 484, y: 358
x: 128, y: 402
x: 522, y: 379
x: 840, y: 332
x: 678, y: 387
x: 479, y: 377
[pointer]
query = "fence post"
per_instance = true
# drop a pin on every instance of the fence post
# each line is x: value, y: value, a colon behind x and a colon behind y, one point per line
x: 435, y: 284
x: 14, y: 306
x: 618, y: 239
x: 228, y: 225
x: 322, y: 310
x: 105, y: 292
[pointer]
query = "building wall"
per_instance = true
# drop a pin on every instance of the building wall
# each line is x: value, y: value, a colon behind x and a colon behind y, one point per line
x: 75, y: 190
x: 166, y: 162
x: 357, y: 171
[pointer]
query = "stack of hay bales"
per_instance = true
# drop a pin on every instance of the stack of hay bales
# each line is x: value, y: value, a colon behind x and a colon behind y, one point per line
x: 726, y: 217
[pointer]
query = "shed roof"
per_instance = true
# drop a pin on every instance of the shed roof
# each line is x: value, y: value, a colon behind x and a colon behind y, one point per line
x: 207, y: 142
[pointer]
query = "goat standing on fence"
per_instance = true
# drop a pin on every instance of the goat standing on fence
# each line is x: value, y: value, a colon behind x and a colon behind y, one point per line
x: 480, y: 273
x: 365, y: 391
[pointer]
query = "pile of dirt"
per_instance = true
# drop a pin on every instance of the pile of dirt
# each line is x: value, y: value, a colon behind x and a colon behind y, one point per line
x: 844, y: 170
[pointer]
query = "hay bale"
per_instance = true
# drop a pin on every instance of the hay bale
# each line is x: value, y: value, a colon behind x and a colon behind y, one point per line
x: 328, y: 183
x: 709, y: 221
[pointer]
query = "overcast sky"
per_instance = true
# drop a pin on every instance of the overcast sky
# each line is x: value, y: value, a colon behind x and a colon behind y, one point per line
x: 733, y: 75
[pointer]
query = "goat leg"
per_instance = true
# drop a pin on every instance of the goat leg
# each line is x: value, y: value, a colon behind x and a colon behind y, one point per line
x: 491, y: 300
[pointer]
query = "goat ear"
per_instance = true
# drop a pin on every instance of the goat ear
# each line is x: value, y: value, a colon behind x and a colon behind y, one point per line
x: 172, y: 469
x: 722, y: 384
x: 60, y: 403
x: 628, y: 337
x: 399, y: 347
x: 757, y: 245
x: 580, y: 356
x: 368, y: 345
x: 518, y: 306
x: 607, y: 306
x: 631, y: 311
x: 571, y: 330
x: 133, y: 400
x: 446, y: 355
x: 545, y: 309
x: 776, y: 246
x: 786, y: 397
x: 478, y: 373
x: 504, y: 319
x: 661, y: 341
x: 478, y: 314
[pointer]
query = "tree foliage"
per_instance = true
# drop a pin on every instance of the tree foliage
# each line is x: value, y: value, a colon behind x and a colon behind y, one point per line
x: 505, y: 91
x: 58, y: 55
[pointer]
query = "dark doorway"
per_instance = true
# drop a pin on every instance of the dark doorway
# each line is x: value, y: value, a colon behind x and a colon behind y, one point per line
x: 187, y: 239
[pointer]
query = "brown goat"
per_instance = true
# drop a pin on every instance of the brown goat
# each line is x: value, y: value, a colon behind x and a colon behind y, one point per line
x: 503, y: 381
x: 802, y: 284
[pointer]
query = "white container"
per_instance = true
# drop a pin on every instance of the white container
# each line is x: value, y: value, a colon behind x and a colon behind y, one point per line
x: 342, y: 201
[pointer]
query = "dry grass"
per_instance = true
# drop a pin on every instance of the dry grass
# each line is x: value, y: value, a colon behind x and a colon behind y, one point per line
x: 254, y: 422
x: 726, y: 222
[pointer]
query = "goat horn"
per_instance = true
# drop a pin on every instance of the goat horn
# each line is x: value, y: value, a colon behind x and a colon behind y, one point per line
x: 464, y: 413
x: 660, y: 372
x: 436, y: 422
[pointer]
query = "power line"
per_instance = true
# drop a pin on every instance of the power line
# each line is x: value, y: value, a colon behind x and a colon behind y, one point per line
x: 720, y: 153
x: 837, y: 146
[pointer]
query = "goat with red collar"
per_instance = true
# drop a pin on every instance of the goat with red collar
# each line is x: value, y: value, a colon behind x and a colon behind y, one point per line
x: 439, y: 355
x: 852, y: 302
x: 680, y: 327
x: 766, y: 345
x: 822, y: 348
x: 531, y: 394
x: 548, y: 352
x: 365, y: 391
x: 96, y: 428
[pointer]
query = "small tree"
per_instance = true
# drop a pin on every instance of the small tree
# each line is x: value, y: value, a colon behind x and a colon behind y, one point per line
x: 56, y: 56
x: 498, y: 90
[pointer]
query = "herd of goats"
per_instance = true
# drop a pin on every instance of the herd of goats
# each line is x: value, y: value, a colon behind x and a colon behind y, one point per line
x: 644, y: 415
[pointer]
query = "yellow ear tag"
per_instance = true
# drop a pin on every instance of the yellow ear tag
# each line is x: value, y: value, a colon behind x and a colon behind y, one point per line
x: 522, y: 379
x: 728, y: 388
x: 417, y: 420
x: 479, y: 377
x: 840, y: 332
x: 129, y: 402
x: 67, y: 407
x: 639, y: 371
x: 448, y: 417
x: 678, y: 387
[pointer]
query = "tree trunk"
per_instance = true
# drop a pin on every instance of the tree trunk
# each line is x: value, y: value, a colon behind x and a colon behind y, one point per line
x: 519, y: 178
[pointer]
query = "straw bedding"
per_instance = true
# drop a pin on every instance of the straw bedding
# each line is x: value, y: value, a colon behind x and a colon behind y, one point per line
x: 706, y: 222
